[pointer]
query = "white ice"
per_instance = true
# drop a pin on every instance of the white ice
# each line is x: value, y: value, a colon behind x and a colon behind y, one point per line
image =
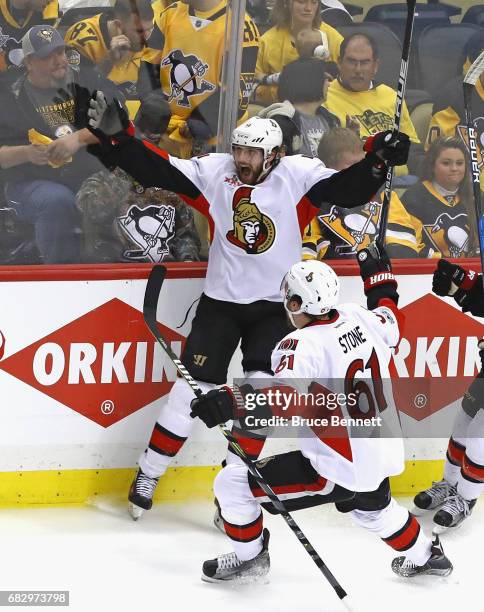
x: 108, y: 562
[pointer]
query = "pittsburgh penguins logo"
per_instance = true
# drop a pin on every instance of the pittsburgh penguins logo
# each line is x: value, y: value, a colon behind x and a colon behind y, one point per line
x: 356, y: 228
x: 375, y: 122
x: 449, y: 235
x: 252, y: 231
x: 10, y: 51
x: 46, y: 34
x: 151, y: 229
x: 186, y: 74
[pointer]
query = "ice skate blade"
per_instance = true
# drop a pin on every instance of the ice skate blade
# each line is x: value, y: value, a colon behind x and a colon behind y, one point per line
x: 135, y: 511
x: 264, y: 579
x: 439, y: 529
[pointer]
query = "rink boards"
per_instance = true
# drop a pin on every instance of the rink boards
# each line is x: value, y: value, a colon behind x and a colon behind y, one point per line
x: 82, y: 381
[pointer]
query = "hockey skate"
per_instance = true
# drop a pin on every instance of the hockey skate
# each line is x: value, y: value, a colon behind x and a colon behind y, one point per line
x: 229, y: 568
x: 217, y: 517
x: 454, y: 511
x: 432, y: 498
x: 141, y: 494
x: 437, y: 565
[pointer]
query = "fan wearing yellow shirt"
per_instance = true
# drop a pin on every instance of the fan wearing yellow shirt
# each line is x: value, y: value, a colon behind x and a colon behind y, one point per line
x: 189, y: 39
x: 278, y: 45
x: 16, y: 18
x: 356, y: 96
x: 113, y: 42
x: 336, y: 232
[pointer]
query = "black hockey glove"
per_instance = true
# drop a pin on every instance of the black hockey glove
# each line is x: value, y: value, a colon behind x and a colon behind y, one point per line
x: 473, y: 399
x: 392, y: 148
x: 216, y: 407
x: 452, y: 280
x: 106, y: 118
x: 378, y: 278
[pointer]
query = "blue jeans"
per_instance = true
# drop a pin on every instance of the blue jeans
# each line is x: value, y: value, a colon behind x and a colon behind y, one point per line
x: 51, y: 208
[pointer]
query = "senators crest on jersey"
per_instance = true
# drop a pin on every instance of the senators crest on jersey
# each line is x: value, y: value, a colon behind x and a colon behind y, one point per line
x: 449, y: 235
x: 252, y: 231
x: 355, y: 228
x: 186, y: 77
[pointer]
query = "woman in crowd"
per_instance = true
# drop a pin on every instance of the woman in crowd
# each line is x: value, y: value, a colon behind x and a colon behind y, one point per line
x: 440, y: 204
x: 277, y: 47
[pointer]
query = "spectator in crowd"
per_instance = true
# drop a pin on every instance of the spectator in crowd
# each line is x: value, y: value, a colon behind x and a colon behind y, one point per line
x: 338, y: 232
x: 302, y: 89
x: 189, y: 38
x: 440, y: 206
x: 356, y: 95
x: 124, y: 221
x: 278, y: 46
x: 16, y: 18
x: 448, y: 118
x: 42, y: 143
x: 260, y: 12
x: 114, y: 42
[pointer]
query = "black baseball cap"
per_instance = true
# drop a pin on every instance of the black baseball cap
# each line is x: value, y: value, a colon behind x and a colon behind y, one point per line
x: 41, y: 41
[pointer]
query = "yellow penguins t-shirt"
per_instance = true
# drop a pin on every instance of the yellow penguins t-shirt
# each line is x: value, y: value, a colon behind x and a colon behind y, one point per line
x: 374, y: 110
x: 14, y: 23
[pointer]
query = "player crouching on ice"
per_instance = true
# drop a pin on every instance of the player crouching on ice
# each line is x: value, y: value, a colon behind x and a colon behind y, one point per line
x: 356, y: 479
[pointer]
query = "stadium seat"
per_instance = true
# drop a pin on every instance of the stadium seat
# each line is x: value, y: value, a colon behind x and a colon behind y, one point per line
x: 389, y: 47
x: 336, y: 17
x: 441, y: 53
x: 475, y: 14
x: 394, y: 16
x: 420, y: 116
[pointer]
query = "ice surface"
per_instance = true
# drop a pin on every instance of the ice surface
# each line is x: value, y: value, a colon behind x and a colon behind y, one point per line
x: 108, y: 562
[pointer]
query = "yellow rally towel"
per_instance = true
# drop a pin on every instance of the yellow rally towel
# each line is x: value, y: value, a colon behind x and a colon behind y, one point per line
x: 39, y: 139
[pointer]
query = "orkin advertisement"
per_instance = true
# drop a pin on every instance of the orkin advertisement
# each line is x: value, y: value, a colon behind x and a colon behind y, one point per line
x: 82, y: 379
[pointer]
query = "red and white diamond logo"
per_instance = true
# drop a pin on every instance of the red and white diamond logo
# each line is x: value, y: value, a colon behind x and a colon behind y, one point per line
x: 104, y: 365
x: 437, y: 357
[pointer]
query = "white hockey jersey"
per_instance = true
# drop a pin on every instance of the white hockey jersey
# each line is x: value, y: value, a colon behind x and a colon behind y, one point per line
x: 347, y: 354
x: 256, y: 230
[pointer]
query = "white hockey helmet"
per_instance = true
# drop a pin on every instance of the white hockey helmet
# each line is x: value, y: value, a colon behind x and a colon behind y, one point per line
x: 259, y: 133
x: 315, y: 283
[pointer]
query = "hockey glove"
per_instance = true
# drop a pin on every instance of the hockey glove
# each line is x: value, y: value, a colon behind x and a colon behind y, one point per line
x: 452, y: 280
x: 216, y: 407
x: 392, y: 148
x: 376, y: 272
x: 106, y: 118
x: 473, y: 399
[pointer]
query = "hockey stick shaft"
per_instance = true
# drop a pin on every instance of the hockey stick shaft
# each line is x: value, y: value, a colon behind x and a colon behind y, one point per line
x: 470, y: 80
x: 153, y: 288
x: 402, y: 85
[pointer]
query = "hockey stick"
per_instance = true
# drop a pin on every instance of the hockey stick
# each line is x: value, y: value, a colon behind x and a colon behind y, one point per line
x: 470, y: 80
x: 402, y: 84
x: 153, y: 288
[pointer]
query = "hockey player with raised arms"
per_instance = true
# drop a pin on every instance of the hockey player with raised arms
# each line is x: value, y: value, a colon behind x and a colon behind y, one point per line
x: 257, y: 203
x: 353, y: 471
x: 454, y: 497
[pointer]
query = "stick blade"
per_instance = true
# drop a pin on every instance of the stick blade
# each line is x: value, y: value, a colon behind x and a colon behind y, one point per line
x: 475, y: 71
x: 152, y: 293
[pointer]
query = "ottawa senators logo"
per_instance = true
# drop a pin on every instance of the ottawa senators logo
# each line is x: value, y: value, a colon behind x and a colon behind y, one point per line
x: 186, y: 74
x: 252, y: 231
x: 356, y: 228
x: 449, y: 235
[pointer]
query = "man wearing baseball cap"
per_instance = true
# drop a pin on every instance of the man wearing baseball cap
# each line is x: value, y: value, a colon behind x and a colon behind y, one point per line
x: 43, y: 142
